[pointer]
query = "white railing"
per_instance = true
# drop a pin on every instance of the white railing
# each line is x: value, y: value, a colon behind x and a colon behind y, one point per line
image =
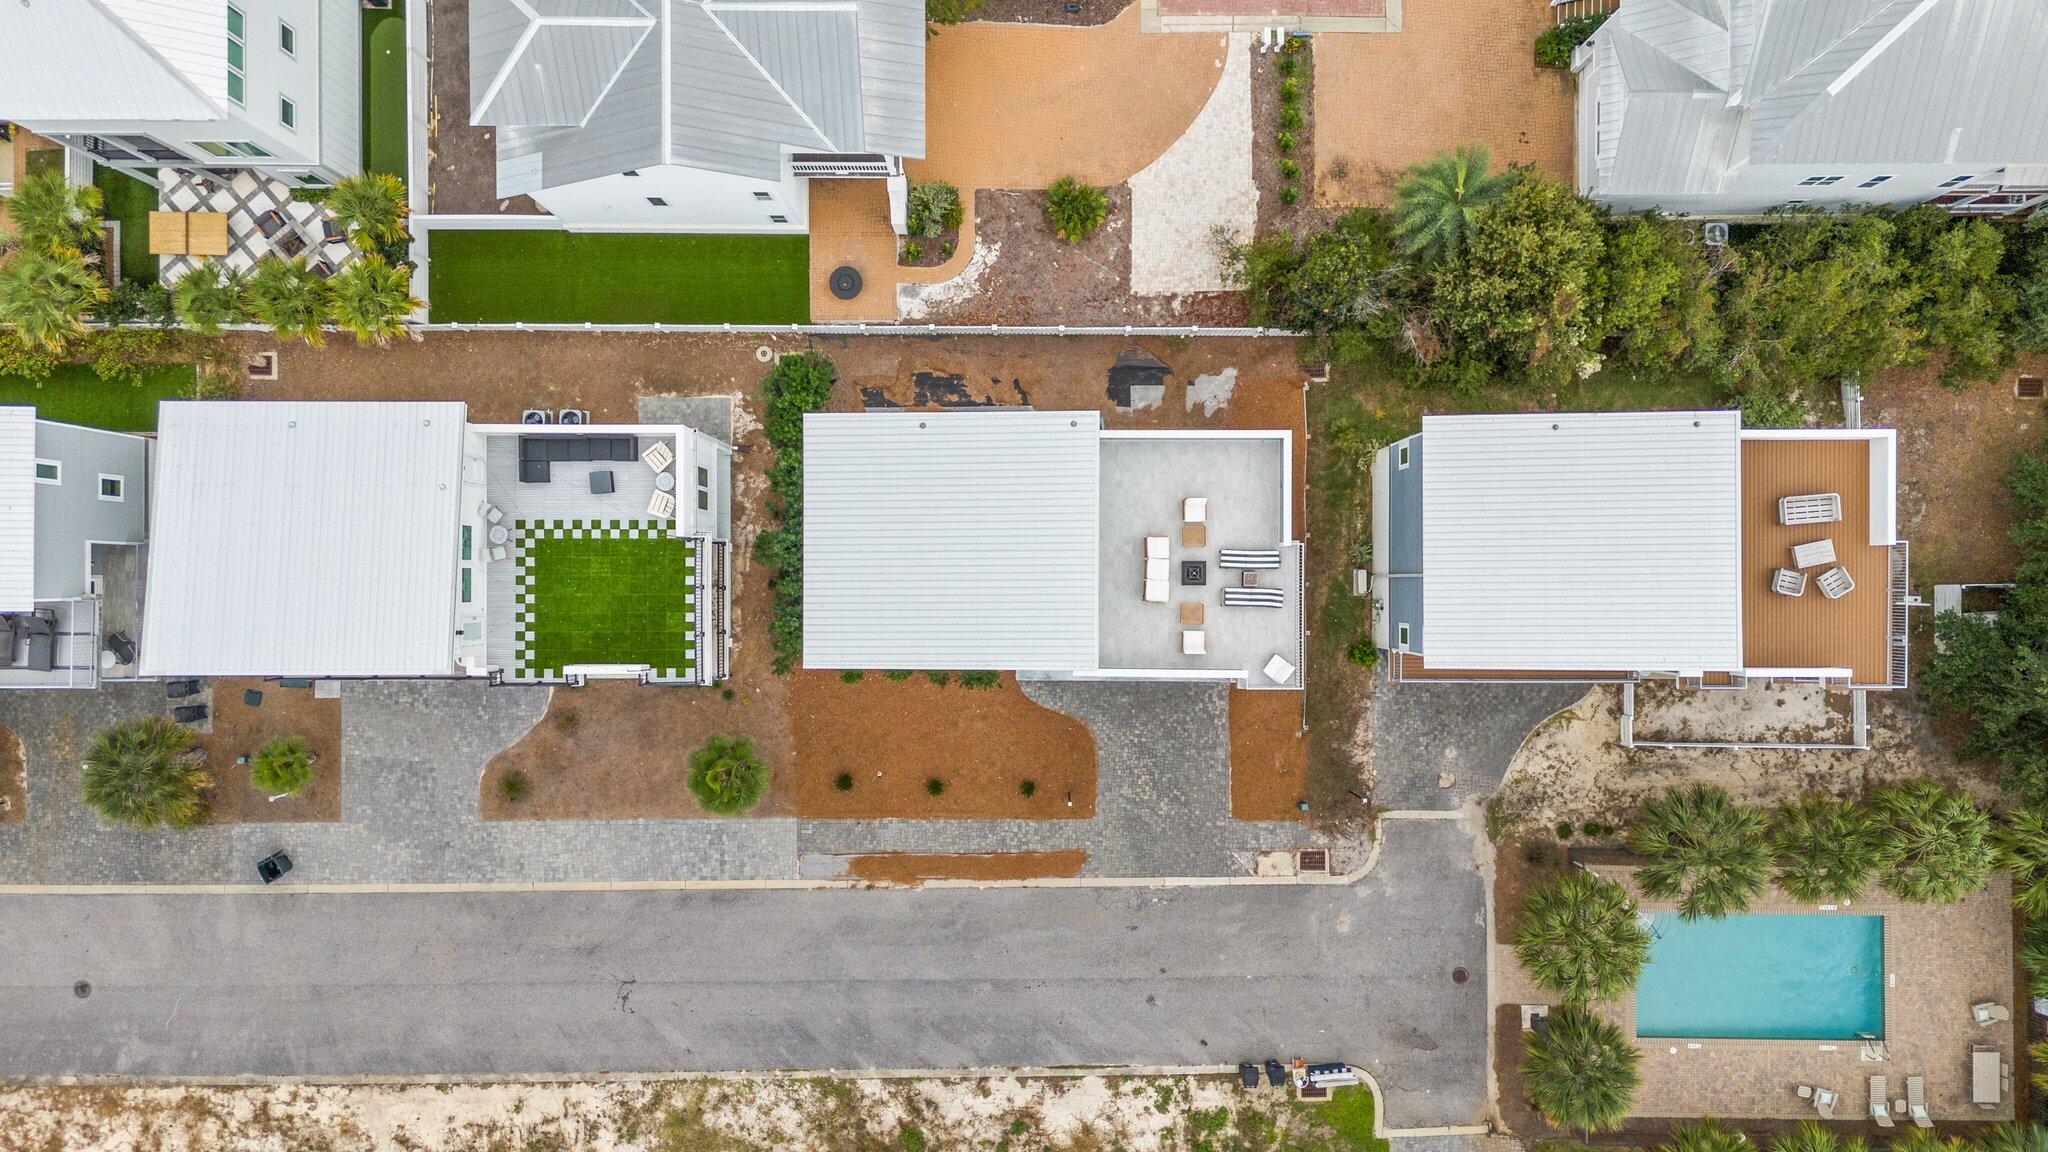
x: 1899, y: 592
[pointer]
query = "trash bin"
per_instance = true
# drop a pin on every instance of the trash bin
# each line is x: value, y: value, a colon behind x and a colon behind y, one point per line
x: 273, y: 866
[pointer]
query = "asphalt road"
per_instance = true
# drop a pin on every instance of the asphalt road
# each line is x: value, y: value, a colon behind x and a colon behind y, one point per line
x: 340, y: 984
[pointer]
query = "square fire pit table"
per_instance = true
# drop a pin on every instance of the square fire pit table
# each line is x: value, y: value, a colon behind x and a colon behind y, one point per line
x: 1194, y: 573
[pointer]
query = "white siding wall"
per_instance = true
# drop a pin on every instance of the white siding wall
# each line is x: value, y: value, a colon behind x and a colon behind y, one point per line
x: 1756, y: 189
x: 698, y: 201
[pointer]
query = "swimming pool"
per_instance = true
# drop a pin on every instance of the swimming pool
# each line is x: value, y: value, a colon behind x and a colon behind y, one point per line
x: 1763, y: 978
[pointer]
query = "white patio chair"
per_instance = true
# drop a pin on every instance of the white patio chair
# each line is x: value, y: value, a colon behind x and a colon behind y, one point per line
x: 1813, y: 554
x: 1835, y: 583
x: 1156, y: 548
x: 1989, y: 1012
x: 1194, y: 510
x: 500, y: 552
x: 1824, y: 1103
x: 1916, y: 1101
x: 1786, y: 582
x: 490, y: 512
x: 1880, y: 1102
x: 658, y: 456
x: 661, y: 505
x: 1194, y: 642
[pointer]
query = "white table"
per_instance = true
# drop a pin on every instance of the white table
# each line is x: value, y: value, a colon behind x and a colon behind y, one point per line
x: 665, y: 481
x: 499, y: 534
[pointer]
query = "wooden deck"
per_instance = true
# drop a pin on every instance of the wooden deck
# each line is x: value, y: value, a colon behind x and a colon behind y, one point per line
x: 1811, y: 631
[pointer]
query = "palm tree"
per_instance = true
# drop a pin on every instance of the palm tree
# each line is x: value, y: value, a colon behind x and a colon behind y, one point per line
x: 289, y: 299
x: 49, y: 214
x: 1936, y: 847
x: 46, y: 296
x: 283, y: 766
x: 726, y: 776
x: 1702, y: 850
x: 372, y: 299
x: 1826, y: 848
x: 2014, y: 1138
x: 2034, y: 958
x: 139, y: 774
x: 1437, y: 200
x: 210, y: 296
x: 371, y: 208
x: 1705, y: 1136
x: 2022, y: 846
x: 1579, y: 938
x: 1812, y: 1136
x: 1580, y: 1071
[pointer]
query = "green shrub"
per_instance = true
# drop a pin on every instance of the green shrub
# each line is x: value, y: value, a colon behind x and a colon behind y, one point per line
x: 514, y: 786
x: 726, y: 776
x: 1764, y: 406
x: 1285, y: 143
x: 933, y: 209
x: 797, y: 385
x: 948, y: 12
x: 1075, y: 210
x: 1290, y: 119
x: 1564, y: 830
x: 934, y: 786
x: 850, y: 676
x: 1028, y: 788
x: 1288, y: 65
x: 1362, y: 653
x: 912, y: 252
x: 911, y: 1138
x: 1290, y: 92
x: 1289, y: 170
x: 1289, y: 193
x: 939, y: 678
x: 282, y: 767
x: 144, y: 774
x: 843, y: 781
x: 1554, y: 45
x: 899, y: 674
x: 980, y: 679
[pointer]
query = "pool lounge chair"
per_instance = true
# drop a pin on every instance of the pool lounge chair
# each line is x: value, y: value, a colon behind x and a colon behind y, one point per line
x: 1880, y: 1102
x: 1916, y: 1101
x: 1824, y: 1103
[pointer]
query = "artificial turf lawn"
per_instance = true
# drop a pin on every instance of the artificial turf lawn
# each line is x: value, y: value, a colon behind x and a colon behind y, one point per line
x: 384, y: 92
x: 73, y: 395
x: 130, y: 201
x: 617, y: 278
x: 610, y: 601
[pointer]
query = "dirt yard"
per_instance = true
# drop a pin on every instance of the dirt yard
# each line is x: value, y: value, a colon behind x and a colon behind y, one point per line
x: 1455, y: 73
x: 908, y: 869
x: 13, y: 778
x: 1572, y: 768
x: 1955, y: 446
x: 240, y: 730
x: 1268, y: 755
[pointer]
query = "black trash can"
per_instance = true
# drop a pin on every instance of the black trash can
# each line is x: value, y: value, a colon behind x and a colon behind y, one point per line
x: 273, y: 866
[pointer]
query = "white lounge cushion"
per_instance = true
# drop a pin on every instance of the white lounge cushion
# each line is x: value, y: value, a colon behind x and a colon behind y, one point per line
x: 1194, y: 642
x: 1278, y: 670
x: 1155, y: 548
x: 1155, y: 570
x: 1155, y: 591
x: 1195, y: 510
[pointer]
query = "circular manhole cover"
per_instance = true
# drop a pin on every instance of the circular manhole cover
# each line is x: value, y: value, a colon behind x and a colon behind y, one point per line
x: 82, y: 989
x: 845, y: 282
x: 1459, y: 976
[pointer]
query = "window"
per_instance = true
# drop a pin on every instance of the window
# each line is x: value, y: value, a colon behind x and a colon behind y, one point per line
x: 212, y: 147
x: 153, y: 148
x: 308, y: 178
x: 1794, y: 203
x: 703, y: 477
x: 778, y: 219
x: 228, y: 148
x: 111, y: 488
x: 629, y: 172
x: 1404, y: 635
x: 286, y: 114
x: 287, y: 39
x: 465, y: 542
x: 1873, y: 182
x: 1955, y: 180
x: 465, y: 585
x: 657, y: 201
x: 238, y: 79
x: 1401, y: 456
x: 49, y: 472
x: 763, y: 196
x: 1820, y: 181
x: 703, y: 500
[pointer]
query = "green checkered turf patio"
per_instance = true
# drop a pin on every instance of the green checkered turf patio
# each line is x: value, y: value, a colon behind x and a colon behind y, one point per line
x: 604, y: 592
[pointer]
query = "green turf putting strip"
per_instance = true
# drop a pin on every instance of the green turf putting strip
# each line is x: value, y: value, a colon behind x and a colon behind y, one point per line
x: 553, y: 277
x: 605, y: 600
x: 384, y: 115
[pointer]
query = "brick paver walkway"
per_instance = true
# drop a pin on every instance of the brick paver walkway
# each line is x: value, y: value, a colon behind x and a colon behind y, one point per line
x: 1469, y: 731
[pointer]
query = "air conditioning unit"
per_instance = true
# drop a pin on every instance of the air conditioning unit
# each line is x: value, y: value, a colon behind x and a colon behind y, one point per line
x: 534, y: 416
x: 1715, y: 234
x: 572, y: 416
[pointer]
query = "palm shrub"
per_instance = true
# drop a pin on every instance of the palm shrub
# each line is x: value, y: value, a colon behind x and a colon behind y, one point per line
x: 371, y: 208
x: 1701, y: 850
x: 726, y: 776
x: 282, y: 767
x: 1580, y: 1071
x: 2014, y: 1138
x: 1578, y: 937
x: 1826, y: 848
x: 1437, y: 200
x: 49, y: 214
x: 1812, y: 1136
x: 141, y: 774
x: 1075, y: 210
x: 2021, y: 844
x: 2034, y: 958
x: 1936, y: 846
x: 210, y: 297
x: 933, y: 209
x: 285, y: 296
x: 46, y: 296
x: 1705, y: 1136
x: 372, y: 299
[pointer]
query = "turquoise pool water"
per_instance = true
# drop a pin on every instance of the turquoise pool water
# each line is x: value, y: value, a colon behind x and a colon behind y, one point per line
x: 1763, y: 978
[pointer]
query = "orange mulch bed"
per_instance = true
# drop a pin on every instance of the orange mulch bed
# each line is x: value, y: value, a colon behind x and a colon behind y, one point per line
x: 891, y: 736
x: 239, y: 730
x: 910, y: 869
x: 1268, y: 756
x: 13, y: 778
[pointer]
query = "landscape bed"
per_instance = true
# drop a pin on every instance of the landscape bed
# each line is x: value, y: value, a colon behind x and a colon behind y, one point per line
x: 486, y: 277
x: 1812, y: 977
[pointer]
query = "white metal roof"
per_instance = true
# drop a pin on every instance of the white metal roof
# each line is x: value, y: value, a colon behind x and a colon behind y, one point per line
x: 951, y: 540
x: 112, y: 60
x: 1583, y: 542
x: 308, y: 539
x: 17, y: 509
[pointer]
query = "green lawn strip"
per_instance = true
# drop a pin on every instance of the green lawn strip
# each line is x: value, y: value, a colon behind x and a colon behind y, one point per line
x: 611, y: 601
x: 1347, y: 1117
x: 73, y: 395
x: 130, y: 201
x: 617, y: 278
x: 383, y: 81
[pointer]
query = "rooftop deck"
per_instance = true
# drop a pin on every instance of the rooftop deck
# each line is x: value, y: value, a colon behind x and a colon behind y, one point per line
x: 1812, y: 631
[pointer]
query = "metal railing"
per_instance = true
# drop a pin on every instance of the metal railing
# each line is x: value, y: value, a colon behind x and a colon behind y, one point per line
x: 1899, y: 593
x: 1565, y: 10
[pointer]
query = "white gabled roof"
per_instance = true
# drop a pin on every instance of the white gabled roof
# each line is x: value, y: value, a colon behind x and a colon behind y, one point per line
x: 304, y: 539
x: 112, y: 59
x: 1583, y: 542
x: 951, y: 540
x: 17, y: 509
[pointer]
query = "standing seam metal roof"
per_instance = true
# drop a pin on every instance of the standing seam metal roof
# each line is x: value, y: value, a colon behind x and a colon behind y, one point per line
x: 17, y: 509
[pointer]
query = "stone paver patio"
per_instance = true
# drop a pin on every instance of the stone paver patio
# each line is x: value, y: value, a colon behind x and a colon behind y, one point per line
x: 1424, y: 732
x: 246, y: 198
x: 1201, y: 186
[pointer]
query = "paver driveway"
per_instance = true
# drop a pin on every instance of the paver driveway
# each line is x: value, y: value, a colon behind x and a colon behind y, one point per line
x: 580, y: 982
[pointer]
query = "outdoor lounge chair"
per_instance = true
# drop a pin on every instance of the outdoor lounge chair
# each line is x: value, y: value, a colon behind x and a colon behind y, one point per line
x: 1835, y: 583
x: 658, y: 456
x: 1813, y: 554
x: 1916, y: 1101
x: 1194, y: 510
x: 1824, y: 1103
x: 661, y: 505
x: 1821, y: 508
x: 1194, y: 642
x: 1255, y: 597
x: 1880, y: 1102
x: 1987, y: 1077
x: 1248, y: 558
x: 41, y: 630
x: 1787, y: 582
x: 1989, y: 1012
